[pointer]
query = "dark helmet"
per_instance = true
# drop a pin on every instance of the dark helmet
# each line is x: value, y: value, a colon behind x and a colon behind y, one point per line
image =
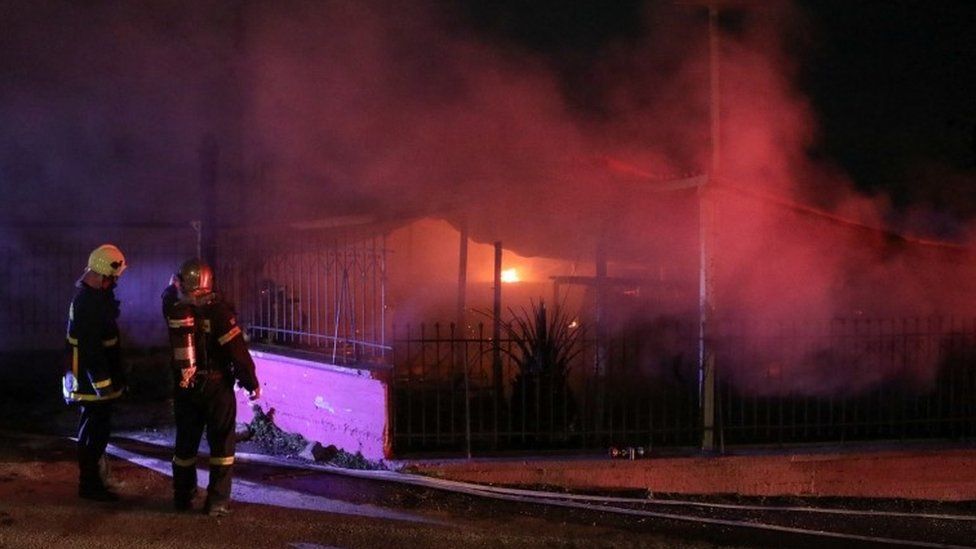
x: 196, y: 277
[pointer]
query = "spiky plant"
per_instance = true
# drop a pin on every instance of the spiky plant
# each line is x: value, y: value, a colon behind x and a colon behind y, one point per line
x: 544, y: 343
x: 544, y: 346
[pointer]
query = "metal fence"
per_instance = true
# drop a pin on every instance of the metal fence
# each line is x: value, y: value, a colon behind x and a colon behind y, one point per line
x: 444, y: 396
x: 854, y: 379
x: 326, y: 296
x: 777, y: 383
x: 317, y: 294
x: 39, y: 266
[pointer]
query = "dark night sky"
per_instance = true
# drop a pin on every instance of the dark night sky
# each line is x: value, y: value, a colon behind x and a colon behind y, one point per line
x: 892, y: 83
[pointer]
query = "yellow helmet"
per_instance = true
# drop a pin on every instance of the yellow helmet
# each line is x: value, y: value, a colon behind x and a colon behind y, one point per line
x: 196, y: 277
x: 107, y: 260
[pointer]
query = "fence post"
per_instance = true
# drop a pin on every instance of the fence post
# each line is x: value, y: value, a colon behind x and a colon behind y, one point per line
x: 459, y: 350
x: 496, y: 348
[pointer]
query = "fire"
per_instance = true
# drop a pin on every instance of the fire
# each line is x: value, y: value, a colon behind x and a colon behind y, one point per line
x: 510, y: 276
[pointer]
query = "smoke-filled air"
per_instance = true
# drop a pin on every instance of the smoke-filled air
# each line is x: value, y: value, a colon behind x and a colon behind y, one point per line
x: 409, y: 115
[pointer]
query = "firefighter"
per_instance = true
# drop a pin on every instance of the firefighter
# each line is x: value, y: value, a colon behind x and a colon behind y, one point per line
x: 93, y: 375
x: 209, y: 354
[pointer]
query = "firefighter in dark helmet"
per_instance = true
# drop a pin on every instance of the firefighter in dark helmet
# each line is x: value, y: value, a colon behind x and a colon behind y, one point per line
x: 209, y: 354
x: 93, y: 374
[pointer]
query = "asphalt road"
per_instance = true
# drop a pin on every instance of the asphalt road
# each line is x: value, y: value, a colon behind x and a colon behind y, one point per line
x: 39, y: 508
x: 284, y: 506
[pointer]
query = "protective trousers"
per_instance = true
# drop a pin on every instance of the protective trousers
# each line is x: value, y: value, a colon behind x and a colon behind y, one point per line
x: 93, y: 433
x: 209, y: 405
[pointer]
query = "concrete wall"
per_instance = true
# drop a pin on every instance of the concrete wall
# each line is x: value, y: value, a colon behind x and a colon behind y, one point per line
x: 943, y: 475
x: 330, y: 404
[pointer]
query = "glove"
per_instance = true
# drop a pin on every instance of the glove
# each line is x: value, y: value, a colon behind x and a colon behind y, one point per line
x: 68, y: 385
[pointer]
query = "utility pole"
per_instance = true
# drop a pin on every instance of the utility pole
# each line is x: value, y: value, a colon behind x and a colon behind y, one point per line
x: 706, y: 228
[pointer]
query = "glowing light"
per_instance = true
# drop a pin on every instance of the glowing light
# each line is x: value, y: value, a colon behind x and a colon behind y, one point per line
x: 573, y: 325
x: 510, y: 276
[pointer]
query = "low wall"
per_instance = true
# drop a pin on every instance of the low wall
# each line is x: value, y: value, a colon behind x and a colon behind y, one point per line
x: 323, y: 402
x: 943, y: 475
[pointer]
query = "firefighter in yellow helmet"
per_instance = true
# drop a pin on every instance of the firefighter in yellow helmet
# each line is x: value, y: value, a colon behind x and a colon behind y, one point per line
x: 93, y: 376
x: 209, y: 354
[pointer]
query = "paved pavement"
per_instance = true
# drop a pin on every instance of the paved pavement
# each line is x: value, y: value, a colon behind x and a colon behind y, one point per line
x: 917, y: 472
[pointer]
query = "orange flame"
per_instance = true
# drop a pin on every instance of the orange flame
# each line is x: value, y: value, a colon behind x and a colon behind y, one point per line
x: 510, y: 276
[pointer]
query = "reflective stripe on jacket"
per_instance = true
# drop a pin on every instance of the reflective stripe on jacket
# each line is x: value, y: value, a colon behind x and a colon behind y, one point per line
x: 217, y: 340
x: 93, y: 369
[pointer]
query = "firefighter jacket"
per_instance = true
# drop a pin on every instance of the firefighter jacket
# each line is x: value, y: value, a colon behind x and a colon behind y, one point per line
x: 205, y: 337
x: 93, y: 365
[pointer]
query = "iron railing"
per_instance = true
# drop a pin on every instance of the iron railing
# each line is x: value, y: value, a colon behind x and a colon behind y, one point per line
x: 444, y: 396
x: 323, y: 295
x: 853, y: 379
x: 777, y: 383
x: 327, y: 296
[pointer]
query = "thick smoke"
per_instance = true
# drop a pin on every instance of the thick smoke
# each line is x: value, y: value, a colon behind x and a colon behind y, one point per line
x: 394, y: 111
x: 400, y: 112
